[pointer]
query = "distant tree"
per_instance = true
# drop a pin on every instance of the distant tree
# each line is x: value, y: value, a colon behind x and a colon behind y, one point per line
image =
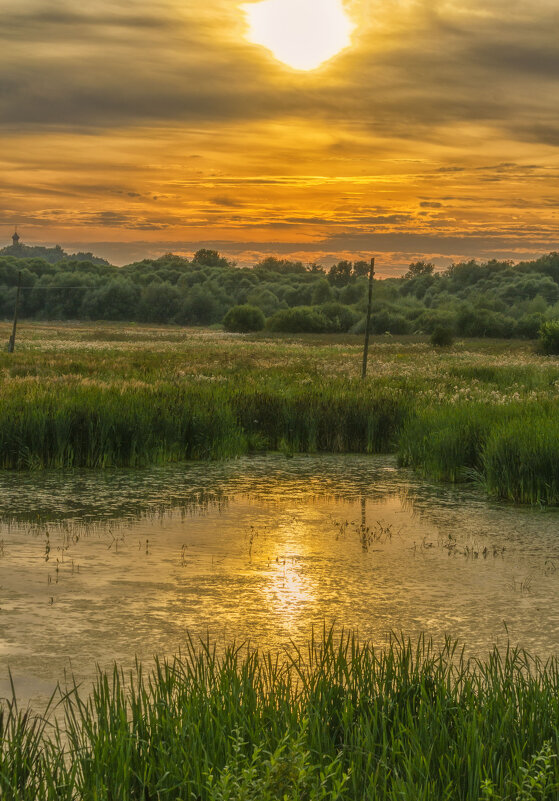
x: 354, y: 292
x: 341, y: 318
x: 430, y: 320
x: 298, y: 295
x: 200, y: 307
x: 301, y: 319
x: 117, y: 300
x: 265, y: 299
x: 244, y: 319
x: 529, y: 325
x: 282, y: 266
x: 361, y: 268
x: 210, y: 258
x: 322, y: 292
x: 548, y: 343
x: 340, y: 273
x: 159, y: 304
x: 419, y: 268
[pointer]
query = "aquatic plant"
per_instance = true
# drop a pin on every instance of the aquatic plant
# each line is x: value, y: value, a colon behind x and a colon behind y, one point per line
x: 336, y: 719
x: 521, y: 459
x: 97, y: 396
x: 513, y: 449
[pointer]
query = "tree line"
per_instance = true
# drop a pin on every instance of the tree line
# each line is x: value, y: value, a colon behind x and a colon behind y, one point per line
x: 494, y: 298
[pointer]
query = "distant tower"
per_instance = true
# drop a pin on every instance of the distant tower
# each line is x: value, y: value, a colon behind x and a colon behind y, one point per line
x: 15, y: 239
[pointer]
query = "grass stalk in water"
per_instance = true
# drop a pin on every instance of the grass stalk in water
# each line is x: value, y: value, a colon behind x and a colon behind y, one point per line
x: 337, y: 720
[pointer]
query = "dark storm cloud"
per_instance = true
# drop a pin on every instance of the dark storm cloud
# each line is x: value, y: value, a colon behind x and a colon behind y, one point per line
x: 112, y: 65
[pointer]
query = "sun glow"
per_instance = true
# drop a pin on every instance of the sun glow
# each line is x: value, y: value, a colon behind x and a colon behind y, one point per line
x: 301, y: 33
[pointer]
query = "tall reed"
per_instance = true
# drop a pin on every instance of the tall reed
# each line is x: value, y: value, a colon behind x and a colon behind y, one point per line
x: 338, y: 719
x: 134, y: 423
x: 521, y: 460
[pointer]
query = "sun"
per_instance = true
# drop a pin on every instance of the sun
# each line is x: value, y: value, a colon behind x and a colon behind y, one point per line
x: 301, y: 33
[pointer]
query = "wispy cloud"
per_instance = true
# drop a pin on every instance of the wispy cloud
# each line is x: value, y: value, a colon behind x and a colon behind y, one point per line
x: 439, y: 125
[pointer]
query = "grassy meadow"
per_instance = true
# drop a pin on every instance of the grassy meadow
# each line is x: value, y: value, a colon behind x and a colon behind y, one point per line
x: 115, y: 395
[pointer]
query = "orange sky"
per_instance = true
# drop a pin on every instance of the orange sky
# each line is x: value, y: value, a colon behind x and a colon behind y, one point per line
x: 136, y: 129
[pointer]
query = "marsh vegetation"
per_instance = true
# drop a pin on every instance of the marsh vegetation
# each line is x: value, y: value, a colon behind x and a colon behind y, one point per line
x: 103, y: 396
x: 334, y: 720
x: 137, y: 558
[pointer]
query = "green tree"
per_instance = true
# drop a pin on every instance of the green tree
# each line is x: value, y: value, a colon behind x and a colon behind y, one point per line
x: 419, y: 268
x: 210, y: 258
x: 340, y: 273
x: 243, y: 319
x: 321, y: 293
x: 117, y: 300
x: 159, y: 304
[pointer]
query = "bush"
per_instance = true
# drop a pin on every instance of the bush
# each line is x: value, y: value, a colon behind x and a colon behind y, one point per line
x: 442, y: 337
x: 159, y: 304
x: 529, y: 325
x: 479, y: 322
x: 430, y: 319
x: 548, y: 342
x: 200, y: 307
x: 384, y: 322
x: 242, y: 319
x: 340, y: 317
x: 300, y: 320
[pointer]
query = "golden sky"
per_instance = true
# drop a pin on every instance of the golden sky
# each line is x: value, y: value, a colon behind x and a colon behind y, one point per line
x: 134, y: 129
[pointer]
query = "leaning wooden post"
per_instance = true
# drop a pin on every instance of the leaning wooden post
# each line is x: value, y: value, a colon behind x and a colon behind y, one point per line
x: 368, y: 326
x: 12, y: 342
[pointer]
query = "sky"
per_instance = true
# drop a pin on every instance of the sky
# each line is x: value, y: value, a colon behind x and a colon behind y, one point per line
x: 136, y: 129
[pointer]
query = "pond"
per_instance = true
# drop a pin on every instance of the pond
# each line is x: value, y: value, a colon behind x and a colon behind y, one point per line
x: 104, y: 566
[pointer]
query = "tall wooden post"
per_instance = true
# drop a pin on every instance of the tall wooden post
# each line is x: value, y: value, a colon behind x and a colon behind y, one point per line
x: 368, y: 326
x: 12, y: 342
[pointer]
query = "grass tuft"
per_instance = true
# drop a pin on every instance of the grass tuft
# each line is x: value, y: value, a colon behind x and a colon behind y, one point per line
x: 335, y: 720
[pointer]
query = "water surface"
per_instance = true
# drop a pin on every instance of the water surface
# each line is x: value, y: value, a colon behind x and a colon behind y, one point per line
x: 104, y: 566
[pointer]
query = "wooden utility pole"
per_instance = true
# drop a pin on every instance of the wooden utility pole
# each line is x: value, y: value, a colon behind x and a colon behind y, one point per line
x: 12, y: 342
x: 368, y: 326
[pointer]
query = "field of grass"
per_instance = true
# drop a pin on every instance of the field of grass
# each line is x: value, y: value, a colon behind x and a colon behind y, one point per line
x: 116, y: 395
x: 338, y: 720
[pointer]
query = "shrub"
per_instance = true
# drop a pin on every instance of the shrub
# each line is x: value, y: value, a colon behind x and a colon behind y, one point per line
x: 529, y: 325
x: 160, y: 303
x: 384, y: 322
x: 430, y: 319
x: 242, y: 319
x: 340, y: 317
x: 300, y: 320
x: 479, y: 322
x: 549, y: 338
x: 442, y: 336
x: 200, y: 307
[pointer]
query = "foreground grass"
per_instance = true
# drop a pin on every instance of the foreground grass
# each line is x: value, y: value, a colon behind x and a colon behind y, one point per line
x: 100, y: 396
x: 337, y: 720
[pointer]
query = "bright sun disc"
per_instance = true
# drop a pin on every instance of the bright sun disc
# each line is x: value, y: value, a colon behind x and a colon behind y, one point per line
x: 301, y: 33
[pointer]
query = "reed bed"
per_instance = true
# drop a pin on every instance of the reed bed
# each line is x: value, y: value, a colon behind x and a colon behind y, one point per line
x: 101, y: 396
x: 93, y: 425
x: 512, y: 450
x: 335, y: 720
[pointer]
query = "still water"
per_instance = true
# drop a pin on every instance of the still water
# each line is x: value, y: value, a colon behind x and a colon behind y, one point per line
x: 104, y: 566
